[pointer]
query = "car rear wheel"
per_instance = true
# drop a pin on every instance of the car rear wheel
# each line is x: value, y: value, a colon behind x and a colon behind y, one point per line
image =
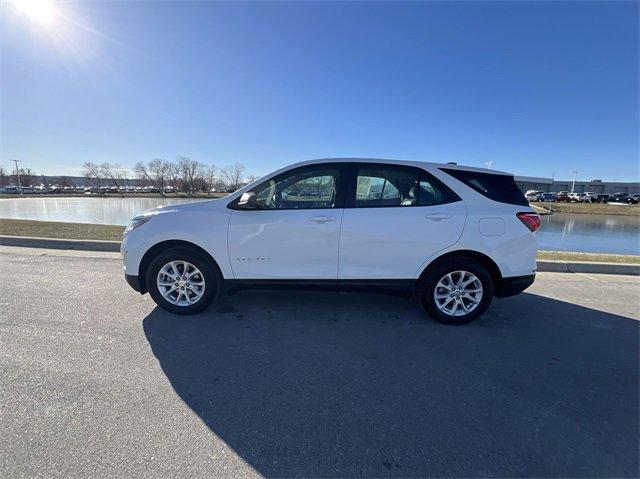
x: 182, y: 281
x: 456, y: 291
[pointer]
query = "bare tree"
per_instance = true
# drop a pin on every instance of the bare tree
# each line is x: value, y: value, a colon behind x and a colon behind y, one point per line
x: 252, y: 178
x: 28, y: 177
x: 233, y: 175
x: 142, y: 171
x: 92, y: 174
x: 3, y: 177
x: 114, y: 173
x: 188, y: 171
x: 157, y: 171
x: 210, y: 176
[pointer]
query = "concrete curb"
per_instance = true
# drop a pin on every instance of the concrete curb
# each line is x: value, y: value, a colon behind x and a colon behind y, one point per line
x: 547, y: 266
x: 552, y: 266
x: 54, y: 243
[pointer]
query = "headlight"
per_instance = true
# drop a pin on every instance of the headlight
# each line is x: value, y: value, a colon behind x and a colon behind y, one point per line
x: 135, y: 222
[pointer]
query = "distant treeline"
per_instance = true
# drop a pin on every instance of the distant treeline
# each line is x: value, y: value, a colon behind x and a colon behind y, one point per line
x: 182, y: 174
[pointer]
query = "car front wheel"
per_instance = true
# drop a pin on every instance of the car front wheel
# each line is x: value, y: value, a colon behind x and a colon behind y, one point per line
x: 182, y: 281
x: 456, y: 291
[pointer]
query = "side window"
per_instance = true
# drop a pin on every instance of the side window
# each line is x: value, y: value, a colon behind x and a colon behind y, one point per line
x: 432, y: 192
x: 303, y: 188
x: 498, y: 187
x: 398, y: 186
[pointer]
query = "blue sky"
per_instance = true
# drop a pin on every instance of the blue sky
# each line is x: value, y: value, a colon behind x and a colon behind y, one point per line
x: 537, y: 87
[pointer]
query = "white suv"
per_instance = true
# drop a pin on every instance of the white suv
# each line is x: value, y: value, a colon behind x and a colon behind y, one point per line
x: 454, y: 236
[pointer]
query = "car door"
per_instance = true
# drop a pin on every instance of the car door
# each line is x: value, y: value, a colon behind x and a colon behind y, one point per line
x: 293, y: 233
x: 395, y: 218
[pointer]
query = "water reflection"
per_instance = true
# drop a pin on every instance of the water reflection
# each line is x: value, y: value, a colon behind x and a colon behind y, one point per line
x: 107, y: 211
x: 590, y: 233
x: 559, y: 232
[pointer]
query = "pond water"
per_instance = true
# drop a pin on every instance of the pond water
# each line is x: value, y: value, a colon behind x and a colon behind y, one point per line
x: 559, y: 232
x: 105, y: 211
x: 590, y: 233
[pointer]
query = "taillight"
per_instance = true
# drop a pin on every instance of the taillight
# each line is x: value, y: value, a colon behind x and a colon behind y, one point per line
x: 530, y: 220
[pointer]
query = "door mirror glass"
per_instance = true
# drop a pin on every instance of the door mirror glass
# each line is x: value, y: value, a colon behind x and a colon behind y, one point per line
x: 248, y: 201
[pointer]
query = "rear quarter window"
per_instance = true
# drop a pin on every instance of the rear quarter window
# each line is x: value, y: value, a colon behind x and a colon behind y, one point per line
x: 500, y: 188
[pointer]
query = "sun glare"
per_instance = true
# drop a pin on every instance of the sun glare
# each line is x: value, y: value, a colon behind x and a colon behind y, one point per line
x: 41, y: 11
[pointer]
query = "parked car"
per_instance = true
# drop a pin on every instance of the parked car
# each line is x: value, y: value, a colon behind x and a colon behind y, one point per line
x: 454, y: 236
x: 635, y: 199
x: 620, y: 198
x: 590, y: 196
x: 602, y: 198
x: 548, y: 197
x: 563, y: 197
x: 534, y: 195
x: 580, y: 197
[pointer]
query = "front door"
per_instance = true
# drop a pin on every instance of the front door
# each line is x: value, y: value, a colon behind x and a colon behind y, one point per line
x: 294, y: 233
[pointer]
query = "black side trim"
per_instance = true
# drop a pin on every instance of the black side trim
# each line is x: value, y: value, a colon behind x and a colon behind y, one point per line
x: 289, y: 284
x: 395, y: 287
x: 401, y: 287
x: 514, y: 285
x: 134, y: 282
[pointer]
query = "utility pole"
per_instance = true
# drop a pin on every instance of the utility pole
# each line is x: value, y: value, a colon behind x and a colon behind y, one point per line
x: 489, y: 163
x: 18, y: 175
x: 573, y: 185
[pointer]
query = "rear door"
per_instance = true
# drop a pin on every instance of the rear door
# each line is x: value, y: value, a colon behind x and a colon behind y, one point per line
x: 395, y: 218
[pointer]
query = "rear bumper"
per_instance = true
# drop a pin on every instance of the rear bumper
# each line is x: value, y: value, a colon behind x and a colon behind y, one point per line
x: 134, y: 282
x: 514, y: 285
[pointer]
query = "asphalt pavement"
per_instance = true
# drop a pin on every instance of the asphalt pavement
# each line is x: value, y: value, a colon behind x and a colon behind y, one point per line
x: 96, y: 381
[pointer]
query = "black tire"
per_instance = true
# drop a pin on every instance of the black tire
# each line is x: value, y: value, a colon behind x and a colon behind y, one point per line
x: 210, y: 272
x: 433, y: 275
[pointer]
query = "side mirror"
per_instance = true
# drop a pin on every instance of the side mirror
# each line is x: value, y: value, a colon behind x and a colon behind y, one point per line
x: 248, y: 201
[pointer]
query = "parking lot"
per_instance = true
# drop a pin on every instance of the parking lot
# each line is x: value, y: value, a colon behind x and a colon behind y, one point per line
x: 96, y: 381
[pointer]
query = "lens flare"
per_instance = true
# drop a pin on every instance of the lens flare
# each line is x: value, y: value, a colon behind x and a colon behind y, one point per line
x: 41, y: 11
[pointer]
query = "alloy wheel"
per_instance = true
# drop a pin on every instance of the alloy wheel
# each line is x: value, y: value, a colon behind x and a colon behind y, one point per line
x: 458, y: 293
x: 181, y: 283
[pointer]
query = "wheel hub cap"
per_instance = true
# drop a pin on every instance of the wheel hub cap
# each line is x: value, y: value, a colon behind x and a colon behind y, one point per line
x: 458, y: 293
x: 181, y: 283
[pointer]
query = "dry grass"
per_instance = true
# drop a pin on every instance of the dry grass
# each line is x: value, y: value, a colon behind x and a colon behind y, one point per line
x: 53, y: 229
x: 588, y: 257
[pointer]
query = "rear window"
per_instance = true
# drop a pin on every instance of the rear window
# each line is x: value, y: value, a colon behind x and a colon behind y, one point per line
x: 500, y: 188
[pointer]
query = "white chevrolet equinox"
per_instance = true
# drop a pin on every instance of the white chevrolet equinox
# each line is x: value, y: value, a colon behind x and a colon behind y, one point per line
x: 454, y: 236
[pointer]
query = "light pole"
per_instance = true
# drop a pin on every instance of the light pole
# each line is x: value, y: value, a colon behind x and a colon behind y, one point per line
x: 489, y: 163
x: 573, y: 185
x: 18, y: 175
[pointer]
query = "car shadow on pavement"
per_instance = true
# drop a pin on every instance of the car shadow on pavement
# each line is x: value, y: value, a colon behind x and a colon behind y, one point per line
x: 313, y: 384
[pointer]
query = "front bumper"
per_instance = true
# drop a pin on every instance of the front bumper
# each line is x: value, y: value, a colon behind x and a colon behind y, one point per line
x: 134, y: 282
x: 513, y: 285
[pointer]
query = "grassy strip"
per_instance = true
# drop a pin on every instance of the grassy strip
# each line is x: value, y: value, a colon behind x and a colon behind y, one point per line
x: 588, y: 257
x: 591, y: 208
x: 540, y: 210
x: 53, y: 229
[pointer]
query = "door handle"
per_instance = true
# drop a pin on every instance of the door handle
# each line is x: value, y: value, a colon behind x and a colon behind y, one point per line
x: 437, y: 216
x: 322, y: 219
